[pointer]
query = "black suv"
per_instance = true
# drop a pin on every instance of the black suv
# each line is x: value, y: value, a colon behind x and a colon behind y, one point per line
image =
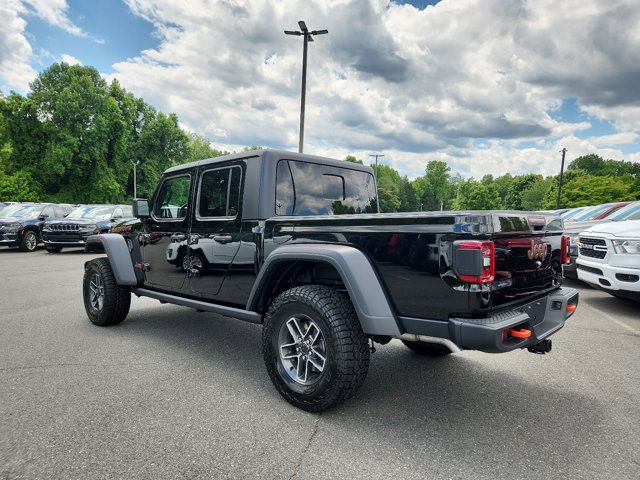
x: 83, y: 221
x: 21, y: 223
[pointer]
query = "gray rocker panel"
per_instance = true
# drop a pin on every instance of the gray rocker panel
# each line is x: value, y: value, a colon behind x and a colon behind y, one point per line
x: 119, y: 256
x: 357, y: 273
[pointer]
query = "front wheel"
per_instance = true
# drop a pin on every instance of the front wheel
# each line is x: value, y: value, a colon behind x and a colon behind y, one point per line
x: 105, y: 302
x: 29, y: 241
x: 314, y: 348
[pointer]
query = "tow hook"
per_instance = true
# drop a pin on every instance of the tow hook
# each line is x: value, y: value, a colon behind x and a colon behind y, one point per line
x: 541, y: 347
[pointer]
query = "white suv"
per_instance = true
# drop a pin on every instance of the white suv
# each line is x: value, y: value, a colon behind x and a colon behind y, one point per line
x: 609, y: 258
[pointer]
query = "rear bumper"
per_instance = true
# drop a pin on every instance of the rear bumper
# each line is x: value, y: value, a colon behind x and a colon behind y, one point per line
x: 542, y: 317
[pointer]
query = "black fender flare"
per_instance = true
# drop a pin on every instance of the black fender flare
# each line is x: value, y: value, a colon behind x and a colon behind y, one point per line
x: 119, y: 255
x: 357, y: 273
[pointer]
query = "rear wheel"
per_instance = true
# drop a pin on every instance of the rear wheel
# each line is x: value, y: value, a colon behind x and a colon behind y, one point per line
x: 105, y: 302
x: 29, y: 241
x: 314, y: 348
x: 427, y: 349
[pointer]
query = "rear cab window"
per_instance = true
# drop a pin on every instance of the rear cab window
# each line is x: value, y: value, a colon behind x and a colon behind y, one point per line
x: 304, y: 188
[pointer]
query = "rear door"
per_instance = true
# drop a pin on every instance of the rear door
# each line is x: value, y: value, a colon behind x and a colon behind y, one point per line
x: 215, y: 235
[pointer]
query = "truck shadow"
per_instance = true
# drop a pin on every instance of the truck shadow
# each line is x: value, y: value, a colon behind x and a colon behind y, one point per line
x: 457, y: 407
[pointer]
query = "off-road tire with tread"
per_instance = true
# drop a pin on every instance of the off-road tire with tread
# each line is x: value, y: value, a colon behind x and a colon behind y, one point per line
x: 117, y: 298
x: 347, y: 348
x: 427, y: 349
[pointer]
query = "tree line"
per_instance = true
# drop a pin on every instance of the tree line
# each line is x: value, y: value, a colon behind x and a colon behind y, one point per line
x: 75, y: 137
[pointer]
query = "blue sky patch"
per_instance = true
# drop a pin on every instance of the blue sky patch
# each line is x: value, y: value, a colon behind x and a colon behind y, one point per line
x: 124, y: 34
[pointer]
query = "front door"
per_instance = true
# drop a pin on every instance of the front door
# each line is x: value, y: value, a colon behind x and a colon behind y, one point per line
x: 165, y: 241
x: 215, y: 231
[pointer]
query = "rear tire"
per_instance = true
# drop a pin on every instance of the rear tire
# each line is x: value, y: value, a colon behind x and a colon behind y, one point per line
x: 29, y: 241
x: 427, y: 349
x: 54, y: 249
x: 314, y: 348
x: 105, y: 302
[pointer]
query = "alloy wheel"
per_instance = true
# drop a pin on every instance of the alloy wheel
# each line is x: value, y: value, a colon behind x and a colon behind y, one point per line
x: 302, y: 349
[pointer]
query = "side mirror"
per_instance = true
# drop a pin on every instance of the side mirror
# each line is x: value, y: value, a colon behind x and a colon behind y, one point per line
x: 141, y: 208
x: 43, y: 217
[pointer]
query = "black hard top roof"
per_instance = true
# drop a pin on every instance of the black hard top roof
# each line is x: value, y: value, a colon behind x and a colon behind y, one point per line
x: 280, y: 154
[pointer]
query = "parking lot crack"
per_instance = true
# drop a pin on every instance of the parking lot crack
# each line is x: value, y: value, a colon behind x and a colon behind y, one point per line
x: 296, y: 468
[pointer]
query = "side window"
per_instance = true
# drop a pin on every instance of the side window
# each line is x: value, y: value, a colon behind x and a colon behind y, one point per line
x: 219, y: 193
x: 173, y: 198
x: 304, y: 188
x: 117, y: 213
x: 48, y: 211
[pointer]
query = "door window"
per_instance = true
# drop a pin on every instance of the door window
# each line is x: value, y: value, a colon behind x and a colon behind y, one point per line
x: 219, y: 193
x: 173, y: 198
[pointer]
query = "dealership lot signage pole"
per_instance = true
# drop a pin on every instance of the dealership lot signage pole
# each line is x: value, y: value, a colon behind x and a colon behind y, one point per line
x: 564, y: 152
x: 308, y: 37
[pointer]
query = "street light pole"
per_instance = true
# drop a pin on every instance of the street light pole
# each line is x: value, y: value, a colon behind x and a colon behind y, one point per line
x: 308, y: 37
x: 135, y: 179
x: 376, y: 155
x: 564, y: 152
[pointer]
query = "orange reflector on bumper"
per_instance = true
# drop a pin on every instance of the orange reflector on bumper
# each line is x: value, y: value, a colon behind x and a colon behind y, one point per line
x: 571, y: 308
x: 520, y: 333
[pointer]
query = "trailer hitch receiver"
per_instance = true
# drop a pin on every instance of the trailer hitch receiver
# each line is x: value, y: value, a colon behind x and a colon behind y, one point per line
x: 544, y: 346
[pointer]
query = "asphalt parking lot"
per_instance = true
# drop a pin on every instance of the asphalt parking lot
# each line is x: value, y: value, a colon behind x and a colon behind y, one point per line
x: 171, y: 393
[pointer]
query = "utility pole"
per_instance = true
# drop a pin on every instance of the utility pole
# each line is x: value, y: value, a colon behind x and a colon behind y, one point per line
x: 564, y: 152
x: 308, y: 37
x: 135, y: 179
x: 376, y: 155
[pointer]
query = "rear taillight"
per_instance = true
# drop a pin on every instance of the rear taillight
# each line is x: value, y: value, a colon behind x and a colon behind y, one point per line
x: 488, y: 258
x: 565, y: 243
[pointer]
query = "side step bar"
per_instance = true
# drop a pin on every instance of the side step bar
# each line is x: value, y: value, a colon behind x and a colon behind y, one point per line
x: 245, y: 315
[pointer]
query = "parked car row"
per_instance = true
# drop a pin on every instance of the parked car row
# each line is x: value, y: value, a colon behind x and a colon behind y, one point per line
x: 58, y: 226
x: 605, y: 247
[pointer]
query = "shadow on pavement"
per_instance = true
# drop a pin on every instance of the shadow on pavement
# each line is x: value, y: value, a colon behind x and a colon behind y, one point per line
x: 456, y: 407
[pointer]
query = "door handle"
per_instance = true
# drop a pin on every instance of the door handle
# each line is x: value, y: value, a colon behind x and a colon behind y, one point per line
x: 222, y: 238
x: 178, y: 237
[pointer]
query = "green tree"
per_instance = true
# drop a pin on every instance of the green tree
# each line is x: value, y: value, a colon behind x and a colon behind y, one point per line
x: 519, y: 185
x: 435, y: 190
x: 353, y: 159
x: 200, y: 148
x: 532, y: 198
x: 474, y: 195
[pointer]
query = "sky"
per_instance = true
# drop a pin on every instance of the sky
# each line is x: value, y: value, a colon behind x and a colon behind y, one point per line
x: 489, y: 86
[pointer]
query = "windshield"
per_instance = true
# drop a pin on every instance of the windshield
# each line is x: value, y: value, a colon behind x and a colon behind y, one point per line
x: 589, y: 213
x: 94, y: 213
x: 630, y: 212
x: 21, y: 211
x: 572, y: 213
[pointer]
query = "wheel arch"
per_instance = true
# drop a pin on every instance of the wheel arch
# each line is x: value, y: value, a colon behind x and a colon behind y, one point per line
x: 118, y: 254
x: 354, y: 270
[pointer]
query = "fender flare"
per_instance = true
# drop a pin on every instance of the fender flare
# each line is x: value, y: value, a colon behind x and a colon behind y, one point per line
x: 119, y: 256
x: 358, y: 275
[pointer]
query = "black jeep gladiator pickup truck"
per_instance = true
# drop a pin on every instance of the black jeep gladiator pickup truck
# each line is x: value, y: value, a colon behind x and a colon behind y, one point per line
x: 294, y: 242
